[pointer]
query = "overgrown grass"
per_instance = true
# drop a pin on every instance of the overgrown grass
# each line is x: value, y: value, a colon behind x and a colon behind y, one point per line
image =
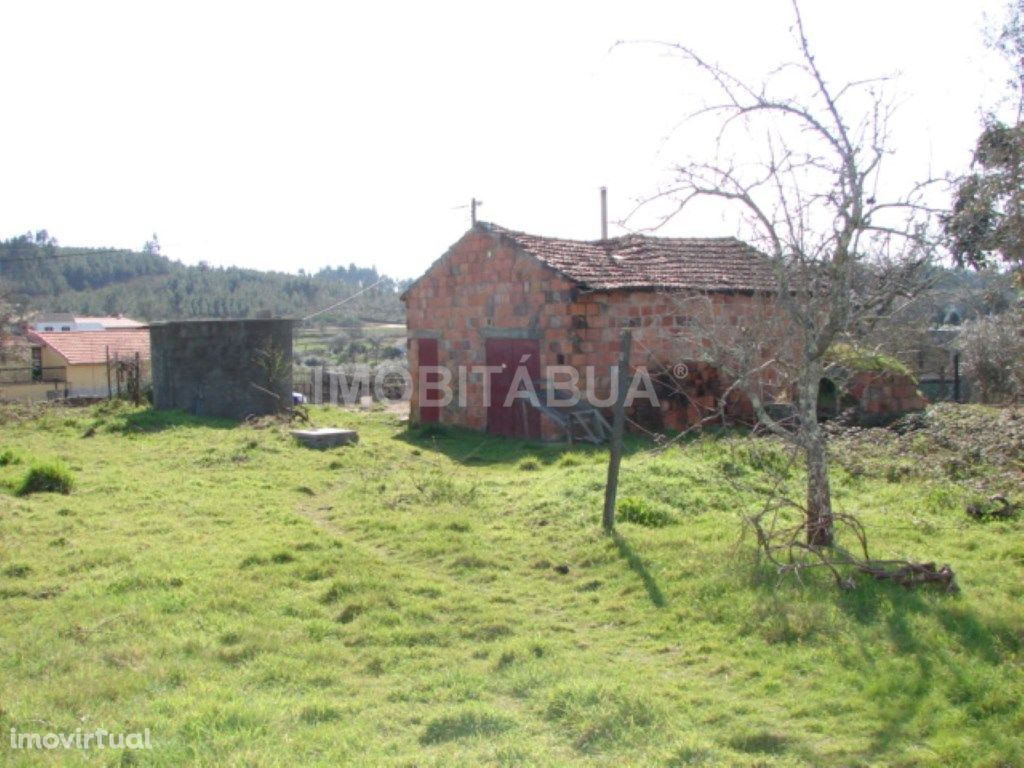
x: 858, y: 359
x: 639, y: 511
x: 8, y: 456
x: 45, y: 477
x: 420, y: 599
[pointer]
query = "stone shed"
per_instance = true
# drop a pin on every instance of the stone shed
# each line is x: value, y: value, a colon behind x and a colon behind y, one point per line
x: 501, y: 298
x: 224, y: 368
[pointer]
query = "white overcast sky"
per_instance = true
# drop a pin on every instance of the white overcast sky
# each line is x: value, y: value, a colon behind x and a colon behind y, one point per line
x: 301, y: 134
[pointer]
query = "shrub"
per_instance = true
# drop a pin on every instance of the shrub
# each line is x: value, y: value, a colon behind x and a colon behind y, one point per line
x: 528, y: 464
x: 633, y: 509
x: 7, y: 456
x: 572, y: 459
x: 52, y: 477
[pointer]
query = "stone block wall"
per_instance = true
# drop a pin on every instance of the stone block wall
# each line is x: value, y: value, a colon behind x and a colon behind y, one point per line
x: 219, y: 367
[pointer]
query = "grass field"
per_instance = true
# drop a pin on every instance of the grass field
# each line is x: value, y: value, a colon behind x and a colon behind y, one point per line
x: 444, y: 598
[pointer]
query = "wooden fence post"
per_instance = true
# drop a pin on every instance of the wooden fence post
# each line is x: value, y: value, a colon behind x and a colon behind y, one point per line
x: 618, y: 427
x: 137, y: 383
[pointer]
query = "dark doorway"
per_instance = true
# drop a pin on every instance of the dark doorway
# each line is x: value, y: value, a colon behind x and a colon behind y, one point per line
x: 520, y: 419
x: 828, y: 400
x: 426, y: 355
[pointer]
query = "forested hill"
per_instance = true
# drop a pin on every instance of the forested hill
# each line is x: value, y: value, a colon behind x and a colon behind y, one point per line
x: 39, y: 275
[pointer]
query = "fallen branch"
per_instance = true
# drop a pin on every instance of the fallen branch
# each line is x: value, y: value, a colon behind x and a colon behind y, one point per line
x: 910, y: 574
x: 996, y: 506
x: 784, y: 545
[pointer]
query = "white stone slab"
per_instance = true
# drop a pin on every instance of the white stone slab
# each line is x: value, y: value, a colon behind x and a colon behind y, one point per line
x: 327, y: 437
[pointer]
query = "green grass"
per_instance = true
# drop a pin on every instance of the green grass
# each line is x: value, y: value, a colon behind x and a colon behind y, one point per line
x: 445, y: 598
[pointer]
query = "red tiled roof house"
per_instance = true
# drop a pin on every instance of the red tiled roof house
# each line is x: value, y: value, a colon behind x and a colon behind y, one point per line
x: 500, y: 298
x: 75, y: 364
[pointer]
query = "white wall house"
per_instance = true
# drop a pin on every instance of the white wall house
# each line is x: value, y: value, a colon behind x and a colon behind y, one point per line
x: 56, y: 323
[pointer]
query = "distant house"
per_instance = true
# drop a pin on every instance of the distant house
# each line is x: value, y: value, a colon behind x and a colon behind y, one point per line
x: 75, y: 364
x: 60, y: 323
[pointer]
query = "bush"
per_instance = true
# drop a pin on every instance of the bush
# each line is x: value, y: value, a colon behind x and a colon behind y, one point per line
x: 572, y: 459
x: 52, y: 477
x: 633, y: 509
x: 7, y: 456
x: 528, y: 464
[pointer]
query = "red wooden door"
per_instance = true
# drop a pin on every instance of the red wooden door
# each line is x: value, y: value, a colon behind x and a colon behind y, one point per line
x: 426, y: 355
x: 520, y: 419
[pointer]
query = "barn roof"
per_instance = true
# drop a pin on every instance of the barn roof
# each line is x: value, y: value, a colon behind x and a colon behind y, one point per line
x: 644, y: 262
x: 90, y: 347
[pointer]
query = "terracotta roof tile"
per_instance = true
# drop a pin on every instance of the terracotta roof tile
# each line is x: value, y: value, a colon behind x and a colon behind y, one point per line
x: 643, y: 262
x: 90, y: 347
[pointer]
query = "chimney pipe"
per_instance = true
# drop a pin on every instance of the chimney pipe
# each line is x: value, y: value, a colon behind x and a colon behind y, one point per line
x: 604, y: 213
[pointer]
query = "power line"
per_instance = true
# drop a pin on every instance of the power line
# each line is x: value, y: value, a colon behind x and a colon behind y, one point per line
x: 345, y: 300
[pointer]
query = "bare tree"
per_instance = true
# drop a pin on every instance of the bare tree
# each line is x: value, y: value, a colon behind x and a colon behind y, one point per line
x: 993, y: 354
x: 801, y: 161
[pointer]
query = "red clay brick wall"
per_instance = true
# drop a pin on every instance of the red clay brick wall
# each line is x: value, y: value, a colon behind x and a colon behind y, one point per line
x: 483, y: 282
x: 881, y: 395
x: 660, y: 324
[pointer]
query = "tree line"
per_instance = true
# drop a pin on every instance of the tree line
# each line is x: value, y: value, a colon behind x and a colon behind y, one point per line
x: 38, y: 274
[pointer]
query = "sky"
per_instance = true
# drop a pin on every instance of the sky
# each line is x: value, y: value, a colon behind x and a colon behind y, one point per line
x: 303, y: 134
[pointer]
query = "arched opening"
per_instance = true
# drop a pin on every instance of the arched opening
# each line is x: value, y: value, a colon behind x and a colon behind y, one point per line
x: 828, y: 400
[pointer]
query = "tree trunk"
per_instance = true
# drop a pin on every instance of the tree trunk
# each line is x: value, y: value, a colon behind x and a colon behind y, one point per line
x: 819, y: 493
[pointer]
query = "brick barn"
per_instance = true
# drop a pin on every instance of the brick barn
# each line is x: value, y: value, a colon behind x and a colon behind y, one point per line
x: 499, y: 297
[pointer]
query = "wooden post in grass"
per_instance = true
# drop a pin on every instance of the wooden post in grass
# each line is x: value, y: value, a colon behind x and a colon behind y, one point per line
x: 137, y: 381
x: 618, y: 426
